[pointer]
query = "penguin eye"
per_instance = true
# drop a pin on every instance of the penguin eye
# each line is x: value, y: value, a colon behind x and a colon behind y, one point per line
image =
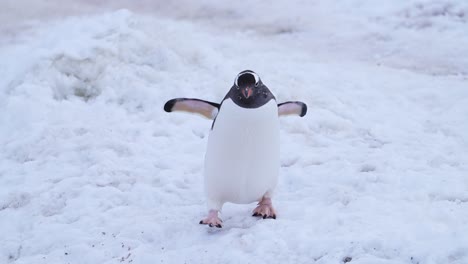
x: 256, y: 84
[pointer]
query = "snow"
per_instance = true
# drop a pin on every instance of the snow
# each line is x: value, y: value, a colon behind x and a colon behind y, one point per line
x: 92, y: 170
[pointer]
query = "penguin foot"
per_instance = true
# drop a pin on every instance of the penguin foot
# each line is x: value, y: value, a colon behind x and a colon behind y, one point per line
x: 265, y: 209
x: 212, y: 220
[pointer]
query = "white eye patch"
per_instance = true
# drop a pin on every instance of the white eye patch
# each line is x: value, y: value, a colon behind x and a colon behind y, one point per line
x: 257, y: 79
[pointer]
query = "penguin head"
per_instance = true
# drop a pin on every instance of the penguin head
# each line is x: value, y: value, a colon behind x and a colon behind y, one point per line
x: 247, y: 82
x: 249, y: 91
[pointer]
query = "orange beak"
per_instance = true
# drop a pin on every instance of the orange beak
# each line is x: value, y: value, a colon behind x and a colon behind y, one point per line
x: 247, y: 92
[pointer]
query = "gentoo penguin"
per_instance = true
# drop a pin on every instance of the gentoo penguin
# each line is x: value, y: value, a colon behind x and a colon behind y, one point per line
x: 243, y: 155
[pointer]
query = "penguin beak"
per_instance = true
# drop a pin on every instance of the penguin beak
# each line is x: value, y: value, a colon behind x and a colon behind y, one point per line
x: 247, y: 92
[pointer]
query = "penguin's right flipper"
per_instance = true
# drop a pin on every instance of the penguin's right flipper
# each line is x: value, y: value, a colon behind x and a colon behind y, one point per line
x: 192, y: 105
x: 292, y: 108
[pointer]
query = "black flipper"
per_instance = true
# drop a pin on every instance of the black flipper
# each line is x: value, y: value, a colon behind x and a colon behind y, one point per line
x: 292, y: 108
x: 192, y: 105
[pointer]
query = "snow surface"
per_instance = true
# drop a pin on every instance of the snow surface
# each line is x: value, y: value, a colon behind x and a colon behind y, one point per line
x: 93, y: 171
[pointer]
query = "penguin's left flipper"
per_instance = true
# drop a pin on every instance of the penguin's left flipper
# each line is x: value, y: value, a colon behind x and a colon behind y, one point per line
x: 292, y: 108
x: 192, y: 105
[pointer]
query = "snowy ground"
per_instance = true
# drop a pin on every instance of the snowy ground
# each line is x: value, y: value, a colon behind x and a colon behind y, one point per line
x: 93, y: 171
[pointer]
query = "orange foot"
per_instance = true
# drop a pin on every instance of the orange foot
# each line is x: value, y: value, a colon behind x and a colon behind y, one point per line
x: 212, y: 220
x: 265, y: 209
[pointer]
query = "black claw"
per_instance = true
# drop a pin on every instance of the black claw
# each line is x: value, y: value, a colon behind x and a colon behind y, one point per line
x: 218, y: 226
x: 274, y: 217
x: 255, y: 214
x: 264, y: 216
x: 201, y: 222
x: 211, y: 225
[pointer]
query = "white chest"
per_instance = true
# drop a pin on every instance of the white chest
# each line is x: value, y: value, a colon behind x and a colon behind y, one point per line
x: 242, y: 158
